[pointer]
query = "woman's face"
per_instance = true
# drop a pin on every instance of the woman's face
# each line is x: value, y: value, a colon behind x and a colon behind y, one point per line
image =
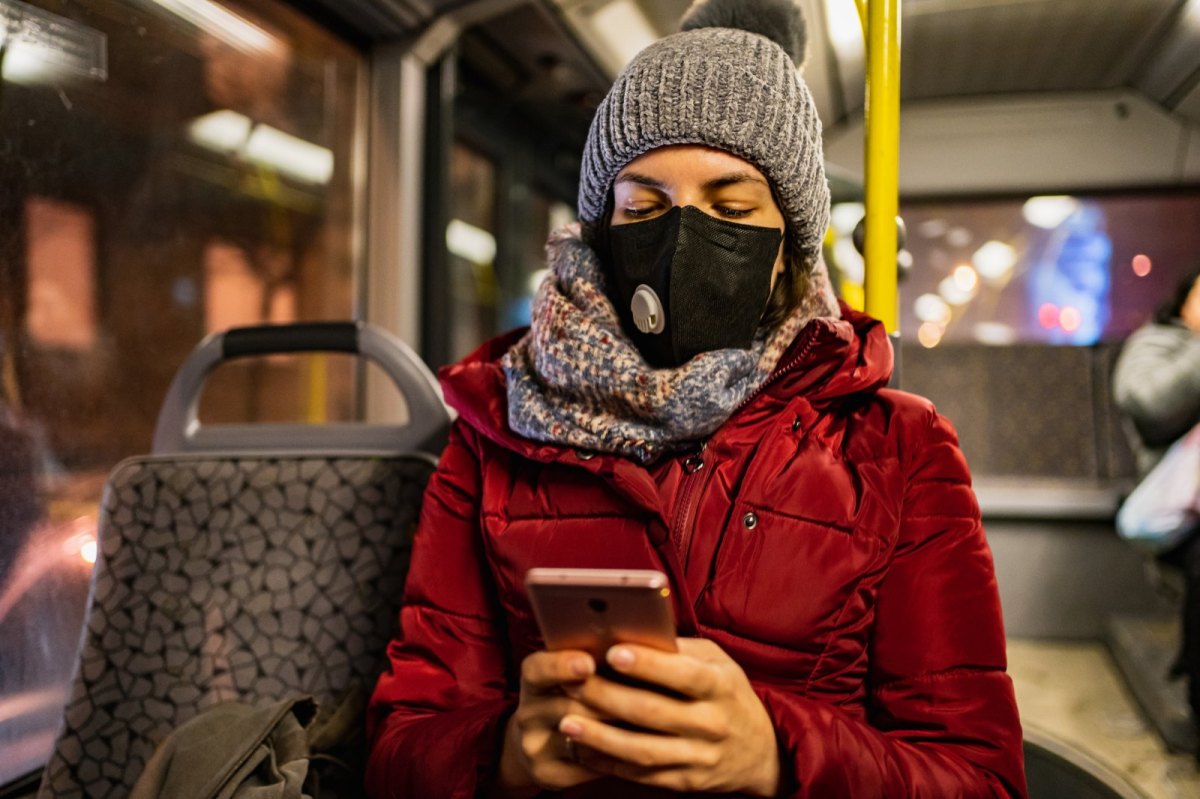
x: 1190, y: 312
x: 716, y: 182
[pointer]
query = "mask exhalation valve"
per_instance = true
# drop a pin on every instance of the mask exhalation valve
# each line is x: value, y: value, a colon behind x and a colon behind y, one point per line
x: 647, y: 310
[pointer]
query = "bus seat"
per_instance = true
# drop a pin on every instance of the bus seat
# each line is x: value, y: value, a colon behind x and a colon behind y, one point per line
x: 1057, y: 770
x: 248, y: 562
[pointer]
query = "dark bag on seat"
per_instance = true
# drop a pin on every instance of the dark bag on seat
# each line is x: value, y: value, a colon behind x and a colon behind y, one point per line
x: 249, y: 562
x: 234, y: 751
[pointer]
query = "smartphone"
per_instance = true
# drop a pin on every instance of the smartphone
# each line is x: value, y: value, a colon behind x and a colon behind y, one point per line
x: 593, y: 609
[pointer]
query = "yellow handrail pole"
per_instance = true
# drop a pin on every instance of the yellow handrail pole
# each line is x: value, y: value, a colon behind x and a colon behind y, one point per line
x: 317, y: 410
x: 882, y: 169
x: 861, y: 5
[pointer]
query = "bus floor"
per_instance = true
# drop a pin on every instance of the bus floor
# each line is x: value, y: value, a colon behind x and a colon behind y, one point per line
x: 1073, y: 691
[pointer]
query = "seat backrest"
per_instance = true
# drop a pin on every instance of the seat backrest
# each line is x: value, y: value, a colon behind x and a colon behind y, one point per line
x: 234, y: 576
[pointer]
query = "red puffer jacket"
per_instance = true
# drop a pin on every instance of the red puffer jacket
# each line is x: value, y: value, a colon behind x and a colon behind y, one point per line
x: 831, y: 545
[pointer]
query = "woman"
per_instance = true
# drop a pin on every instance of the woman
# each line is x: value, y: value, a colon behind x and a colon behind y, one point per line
x: 691, y: 398
x: 1156, y: 385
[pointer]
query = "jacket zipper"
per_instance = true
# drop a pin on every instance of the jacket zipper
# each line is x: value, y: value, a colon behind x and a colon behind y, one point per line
x: 790, y: 366
x: 695, y: 474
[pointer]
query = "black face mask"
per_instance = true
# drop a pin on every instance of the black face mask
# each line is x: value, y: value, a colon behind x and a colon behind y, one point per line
x: 686, y: 283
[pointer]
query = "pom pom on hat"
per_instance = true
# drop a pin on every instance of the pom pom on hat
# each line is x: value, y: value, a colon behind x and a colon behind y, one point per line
x: 781, y: 21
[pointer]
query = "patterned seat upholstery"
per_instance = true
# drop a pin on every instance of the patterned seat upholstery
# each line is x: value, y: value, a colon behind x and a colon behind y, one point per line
x: 232, y: 577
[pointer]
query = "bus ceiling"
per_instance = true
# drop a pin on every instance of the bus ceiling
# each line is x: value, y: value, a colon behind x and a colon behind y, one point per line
x: 1078, y: 94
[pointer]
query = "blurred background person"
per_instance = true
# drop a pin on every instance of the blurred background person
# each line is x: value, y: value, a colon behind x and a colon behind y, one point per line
x: 1157, y: 388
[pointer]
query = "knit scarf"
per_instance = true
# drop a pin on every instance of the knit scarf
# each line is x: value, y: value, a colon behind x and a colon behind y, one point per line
x: 577, y: 380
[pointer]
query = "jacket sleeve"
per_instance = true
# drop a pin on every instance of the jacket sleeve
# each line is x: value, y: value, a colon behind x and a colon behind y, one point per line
x: 436, y: 719
x: 943, y: 717
x: 1157, y: 382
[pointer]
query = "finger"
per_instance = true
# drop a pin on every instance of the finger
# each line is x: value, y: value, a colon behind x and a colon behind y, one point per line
x: 701, y: 649
x: 600, y: 763
x: 682, y: 673
x: 688, y: 718
x: 561, y: 774
x: 551, y: 764
x: 675, y: 778
x: 638, y: 748
x: 545, y: 670
x: 547, y: 711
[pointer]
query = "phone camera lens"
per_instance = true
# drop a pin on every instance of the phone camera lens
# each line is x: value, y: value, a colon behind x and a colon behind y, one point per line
x: 598, y: 605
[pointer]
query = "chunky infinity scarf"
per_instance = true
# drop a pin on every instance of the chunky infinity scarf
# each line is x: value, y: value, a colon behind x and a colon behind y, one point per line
x: 575, y: 379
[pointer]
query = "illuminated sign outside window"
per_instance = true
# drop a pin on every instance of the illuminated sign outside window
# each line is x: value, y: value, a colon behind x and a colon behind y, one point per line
x: 61, y: 277
x: 236, y: 293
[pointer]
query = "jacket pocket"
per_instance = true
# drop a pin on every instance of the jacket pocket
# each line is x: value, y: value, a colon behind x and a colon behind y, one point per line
x: 788, y: 581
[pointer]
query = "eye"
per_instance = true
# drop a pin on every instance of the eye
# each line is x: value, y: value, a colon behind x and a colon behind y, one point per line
x: 732, y: 213
x: 639, y: 213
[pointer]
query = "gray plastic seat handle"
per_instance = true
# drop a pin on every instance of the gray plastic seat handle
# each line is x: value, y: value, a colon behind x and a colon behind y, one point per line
x: 179, y: 430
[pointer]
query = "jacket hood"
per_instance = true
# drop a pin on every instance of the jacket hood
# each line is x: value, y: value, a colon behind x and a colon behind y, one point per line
x: 829, y: 360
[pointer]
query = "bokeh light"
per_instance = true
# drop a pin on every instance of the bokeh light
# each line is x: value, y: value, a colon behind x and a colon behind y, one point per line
x: 1070, y: 319
x: 966, y: 279
x: 995, y: 334
x: 959, y: 236
x: 1048, y: 212
x: 932, y: 308
x: 930, y: 334
x: 995, y: 261
x: 952, y: 293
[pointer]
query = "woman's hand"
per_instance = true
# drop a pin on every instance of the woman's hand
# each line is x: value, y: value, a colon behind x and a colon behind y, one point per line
x: 536, y: 756
x: 718, y: 737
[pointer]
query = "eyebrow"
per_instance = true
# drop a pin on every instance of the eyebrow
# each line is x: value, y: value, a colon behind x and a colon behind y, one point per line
x: 732, y: 179
x: 641, y: 180
x: 721, y: 181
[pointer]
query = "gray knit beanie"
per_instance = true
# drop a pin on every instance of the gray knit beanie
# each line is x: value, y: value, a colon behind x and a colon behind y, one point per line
x: 726, y: 81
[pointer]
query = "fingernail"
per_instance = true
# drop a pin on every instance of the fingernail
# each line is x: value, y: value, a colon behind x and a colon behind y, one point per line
x: 582, y: 666
x: 620, y: 657
x: 570, y: 728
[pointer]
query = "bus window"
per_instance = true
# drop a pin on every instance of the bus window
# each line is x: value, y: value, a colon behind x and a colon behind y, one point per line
x: 166, y: 173
x: 1050, y: 269
x: 547, y: 214
x: 471, y: 242
x: 1054, y: 269
x: 489, y: 294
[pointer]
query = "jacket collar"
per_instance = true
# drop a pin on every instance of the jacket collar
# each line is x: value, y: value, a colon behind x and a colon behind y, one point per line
x: 830, y: 359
